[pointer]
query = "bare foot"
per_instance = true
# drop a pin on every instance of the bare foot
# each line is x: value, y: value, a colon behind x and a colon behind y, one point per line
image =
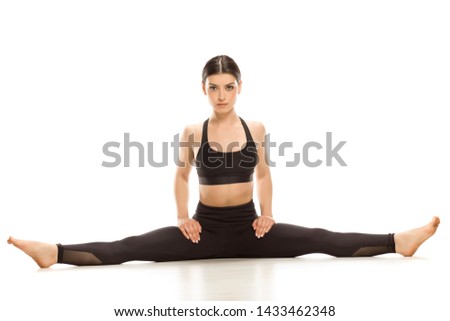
x: 407, y: 243
x: 44, y: 254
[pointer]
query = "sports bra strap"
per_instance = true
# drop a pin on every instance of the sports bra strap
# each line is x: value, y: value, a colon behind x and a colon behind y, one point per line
x: 205, y: 132
x: 247, y: 130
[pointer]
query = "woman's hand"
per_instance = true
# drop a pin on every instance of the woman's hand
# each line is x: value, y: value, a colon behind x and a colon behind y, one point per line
x: 262, y: 225
x: 190, y: 228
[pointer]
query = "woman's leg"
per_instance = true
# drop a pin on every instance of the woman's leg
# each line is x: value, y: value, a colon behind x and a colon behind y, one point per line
x: 287, y: 240
x: 283, y: 240
x: 164, y: 244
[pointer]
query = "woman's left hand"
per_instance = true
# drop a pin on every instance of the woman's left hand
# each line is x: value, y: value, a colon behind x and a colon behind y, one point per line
x: 262, y: 225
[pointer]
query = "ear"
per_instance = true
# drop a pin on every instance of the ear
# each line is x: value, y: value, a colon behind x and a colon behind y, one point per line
x: 239, y: 86
x: 204, y: 87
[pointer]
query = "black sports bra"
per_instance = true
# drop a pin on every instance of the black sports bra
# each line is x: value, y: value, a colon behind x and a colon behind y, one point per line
x: 215, y: 167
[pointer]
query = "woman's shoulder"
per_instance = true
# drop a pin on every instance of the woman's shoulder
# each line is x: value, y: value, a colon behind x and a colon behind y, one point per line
x: 194, y: 130
x: 257, y: 125
x: 257, y: 129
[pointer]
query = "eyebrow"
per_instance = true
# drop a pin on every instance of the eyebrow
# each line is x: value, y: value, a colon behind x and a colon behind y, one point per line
x: 231, y: 83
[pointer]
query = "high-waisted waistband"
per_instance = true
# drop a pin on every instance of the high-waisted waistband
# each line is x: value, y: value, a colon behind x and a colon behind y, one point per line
x: 225, y: 214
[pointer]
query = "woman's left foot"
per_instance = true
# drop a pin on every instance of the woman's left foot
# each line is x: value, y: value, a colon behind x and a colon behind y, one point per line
x: 407, y: 243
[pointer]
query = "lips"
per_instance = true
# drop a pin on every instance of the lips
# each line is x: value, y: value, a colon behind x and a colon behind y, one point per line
x: 222, y: 104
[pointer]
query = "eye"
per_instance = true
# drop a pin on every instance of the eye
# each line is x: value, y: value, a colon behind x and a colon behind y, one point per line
x: 212, y: 87
x: 230, y: 88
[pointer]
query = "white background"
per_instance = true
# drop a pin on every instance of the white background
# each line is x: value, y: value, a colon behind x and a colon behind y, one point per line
x: 75, y: 75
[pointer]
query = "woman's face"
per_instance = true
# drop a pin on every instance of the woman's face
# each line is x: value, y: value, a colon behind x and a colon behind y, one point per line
x: 222, y: 91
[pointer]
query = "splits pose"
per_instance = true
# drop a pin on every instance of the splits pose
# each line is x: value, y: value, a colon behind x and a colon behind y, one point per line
x: 227, y: 153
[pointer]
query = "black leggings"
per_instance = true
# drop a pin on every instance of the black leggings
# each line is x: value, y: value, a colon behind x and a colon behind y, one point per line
x: 226, y: 233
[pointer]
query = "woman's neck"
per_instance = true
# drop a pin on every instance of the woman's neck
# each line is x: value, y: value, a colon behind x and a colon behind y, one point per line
x: 224, y: 118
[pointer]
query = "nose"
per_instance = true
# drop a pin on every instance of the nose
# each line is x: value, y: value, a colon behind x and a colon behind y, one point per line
x: 221, y: 94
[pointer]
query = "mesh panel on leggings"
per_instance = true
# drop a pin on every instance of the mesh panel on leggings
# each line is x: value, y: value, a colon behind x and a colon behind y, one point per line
x: 76, y: 257
x: 376, y: 250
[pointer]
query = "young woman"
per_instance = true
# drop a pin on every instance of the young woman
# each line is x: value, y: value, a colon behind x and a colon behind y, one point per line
x: 229, y: 156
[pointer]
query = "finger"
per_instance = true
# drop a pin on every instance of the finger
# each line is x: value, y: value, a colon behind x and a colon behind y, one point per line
x: 190, y: 231
x: 199, y: 226
x: 254, y: 224
x: 258, y: 222
x: 265, y: 226
x: 194, y: 233
x: 196, y: 227
x: 194, y: 238
x: 259, y: 229
x: 269, y: 227
x: 184, y: 232
x: 262, y: 227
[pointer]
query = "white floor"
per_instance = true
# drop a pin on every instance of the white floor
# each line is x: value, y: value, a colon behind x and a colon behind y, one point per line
x: 384, y: 287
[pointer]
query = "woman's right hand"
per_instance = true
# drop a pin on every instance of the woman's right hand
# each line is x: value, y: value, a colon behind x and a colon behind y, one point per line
x: 190, y: 228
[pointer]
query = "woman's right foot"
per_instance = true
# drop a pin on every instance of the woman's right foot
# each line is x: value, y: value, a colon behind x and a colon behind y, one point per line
x: 407, y: 243
x: 44, y: 254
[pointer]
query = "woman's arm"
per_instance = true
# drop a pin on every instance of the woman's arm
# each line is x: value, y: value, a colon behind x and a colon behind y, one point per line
x: 190, y: 228
x: 263, y: 224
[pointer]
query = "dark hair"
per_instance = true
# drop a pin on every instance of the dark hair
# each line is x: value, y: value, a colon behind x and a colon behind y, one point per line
x: 221, y: 64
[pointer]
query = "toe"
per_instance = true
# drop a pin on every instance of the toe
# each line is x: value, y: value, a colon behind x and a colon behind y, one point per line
x: 437, y: 220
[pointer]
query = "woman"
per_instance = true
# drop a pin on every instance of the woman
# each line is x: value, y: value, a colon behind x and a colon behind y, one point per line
x: 227, y: 152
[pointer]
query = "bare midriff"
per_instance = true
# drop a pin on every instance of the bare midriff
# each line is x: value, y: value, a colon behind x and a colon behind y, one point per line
x: 226, y: 194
